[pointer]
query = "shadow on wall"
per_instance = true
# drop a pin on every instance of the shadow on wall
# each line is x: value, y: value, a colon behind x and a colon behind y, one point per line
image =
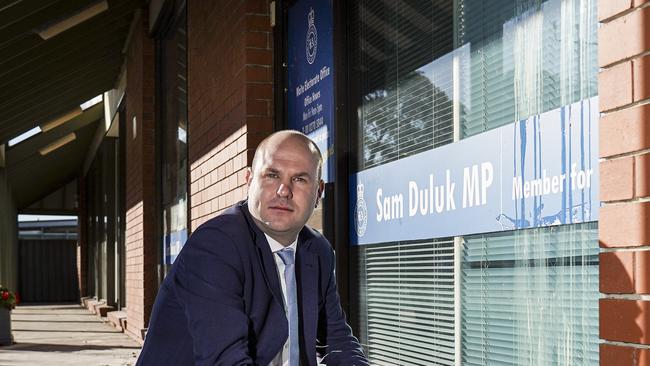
x: 621, y: 319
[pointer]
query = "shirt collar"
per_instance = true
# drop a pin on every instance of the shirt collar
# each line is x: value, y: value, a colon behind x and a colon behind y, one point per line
x: 276, y: 246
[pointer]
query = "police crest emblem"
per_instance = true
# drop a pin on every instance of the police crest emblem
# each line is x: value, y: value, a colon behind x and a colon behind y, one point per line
x: 311, y: 42
x: 360, y: 213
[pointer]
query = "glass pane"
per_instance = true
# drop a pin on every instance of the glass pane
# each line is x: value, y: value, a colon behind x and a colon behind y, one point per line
x: 402, y: 59
x: 419, y: 68
x: 530, y: 297
x: 173, y: 52
x: 403, y: 90
x: 525, y: 58
x: 407, y: 302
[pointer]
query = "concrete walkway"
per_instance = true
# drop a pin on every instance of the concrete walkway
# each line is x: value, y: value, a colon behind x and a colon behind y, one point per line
x: 65, y: 335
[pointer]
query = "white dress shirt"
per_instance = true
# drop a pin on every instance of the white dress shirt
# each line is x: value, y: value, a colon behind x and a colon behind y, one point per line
x: 282, y: 358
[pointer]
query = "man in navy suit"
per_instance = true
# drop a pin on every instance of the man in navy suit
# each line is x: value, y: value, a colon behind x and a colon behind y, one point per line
x: 255, y: 286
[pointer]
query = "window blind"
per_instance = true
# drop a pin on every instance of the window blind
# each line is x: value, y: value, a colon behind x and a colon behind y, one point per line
x: 530, y: 297
x: 516, y: 59
x: 404, y: 89
x: 526, y: 58
x: 408, y: 302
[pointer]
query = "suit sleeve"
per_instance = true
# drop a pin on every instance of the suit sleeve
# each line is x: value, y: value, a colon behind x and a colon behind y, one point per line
x: 208, y: 283
x: 334, y: 334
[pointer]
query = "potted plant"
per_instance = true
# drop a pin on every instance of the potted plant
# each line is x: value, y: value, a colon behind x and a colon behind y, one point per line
x: 7, y: 302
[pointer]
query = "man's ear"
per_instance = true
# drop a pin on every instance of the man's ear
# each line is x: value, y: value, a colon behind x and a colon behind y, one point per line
x: 249, y: 176
x: 321, y: 188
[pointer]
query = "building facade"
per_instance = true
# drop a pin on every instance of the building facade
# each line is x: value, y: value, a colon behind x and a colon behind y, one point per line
x: 485, y: 165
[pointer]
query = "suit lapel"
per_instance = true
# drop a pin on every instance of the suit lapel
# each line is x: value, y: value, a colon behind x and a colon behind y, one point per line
x: 270, y: 269
x: 307, y: 281
x: 265, y: 257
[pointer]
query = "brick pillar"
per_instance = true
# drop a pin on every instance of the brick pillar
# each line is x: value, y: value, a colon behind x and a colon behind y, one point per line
x: 230, y: 102
x: 141, y: 249
x: 624, y: 90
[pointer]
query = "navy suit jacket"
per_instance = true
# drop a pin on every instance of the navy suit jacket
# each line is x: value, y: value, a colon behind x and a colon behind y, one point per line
x: 221, y: 303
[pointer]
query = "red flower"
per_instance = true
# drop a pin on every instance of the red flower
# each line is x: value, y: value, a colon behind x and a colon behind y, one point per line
x: 5, y: 295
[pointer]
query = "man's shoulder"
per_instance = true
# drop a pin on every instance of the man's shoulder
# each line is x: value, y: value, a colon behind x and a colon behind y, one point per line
x: 230, y: 221
x: 317, y: 242
x: 230, y: 225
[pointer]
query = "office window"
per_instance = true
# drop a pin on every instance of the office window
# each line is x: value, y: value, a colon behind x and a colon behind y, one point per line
x: 404, y: 90
x: 422, y: 73
x: 403, y: 98
x: 407, y: 302
x: 530, y: 297
x: 172, y: 51
x: 525, y: 58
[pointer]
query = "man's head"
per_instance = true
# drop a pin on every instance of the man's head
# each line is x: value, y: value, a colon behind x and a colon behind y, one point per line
x: 284, y: 184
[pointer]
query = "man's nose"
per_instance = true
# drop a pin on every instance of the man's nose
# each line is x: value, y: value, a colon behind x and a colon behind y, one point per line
x: 284, y: 191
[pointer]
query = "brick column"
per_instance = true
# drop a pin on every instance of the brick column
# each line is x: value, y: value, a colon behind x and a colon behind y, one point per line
x: 230, y: 104
x: 141, y: 249
x: 624, y: 90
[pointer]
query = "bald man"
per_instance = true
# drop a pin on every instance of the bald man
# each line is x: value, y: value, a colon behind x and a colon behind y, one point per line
x: 255, y: 286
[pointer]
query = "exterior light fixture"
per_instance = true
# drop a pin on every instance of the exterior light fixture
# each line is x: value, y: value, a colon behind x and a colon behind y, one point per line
x: 58, y: 143
x: 75, y: 19
x: 94, y: 101
x: 61, y: 120
x: 24, y: 136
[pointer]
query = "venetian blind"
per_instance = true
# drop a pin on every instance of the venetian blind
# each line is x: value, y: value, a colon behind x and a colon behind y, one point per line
x: 409, y: 302
x: 402, y: 82
x: 530, y: 297
x: 525, y: 58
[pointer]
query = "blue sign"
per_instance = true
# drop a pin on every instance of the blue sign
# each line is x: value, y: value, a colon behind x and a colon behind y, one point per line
x: 537, y: 172
x: 310, y: 94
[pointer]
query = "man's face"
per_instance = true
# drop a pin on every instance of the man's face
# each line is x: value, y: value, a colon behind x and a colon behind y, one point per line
x: 283, y: 187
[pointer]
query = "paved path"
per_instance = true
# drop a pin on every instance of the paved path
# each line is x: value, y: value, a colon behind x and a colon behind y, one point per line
x: 65, y: 335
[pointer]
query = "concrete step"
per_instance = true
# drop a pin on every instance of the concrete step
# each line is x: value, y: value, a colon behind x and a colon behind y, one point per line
x: 93, y: 304
x: 117, y: 319
x: 103, y: 309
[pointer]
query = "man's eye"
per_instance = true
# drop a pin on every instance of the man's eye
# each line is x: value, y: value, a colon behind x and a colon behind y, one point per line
x: 299, y: 179
x: 271, y: 175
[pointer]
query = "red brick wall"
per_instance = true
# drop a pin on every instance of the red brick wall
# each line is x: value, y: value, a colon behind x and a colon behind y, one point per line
x: 230, y: 98
x: 624, y: 88
x: 141, y: 250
